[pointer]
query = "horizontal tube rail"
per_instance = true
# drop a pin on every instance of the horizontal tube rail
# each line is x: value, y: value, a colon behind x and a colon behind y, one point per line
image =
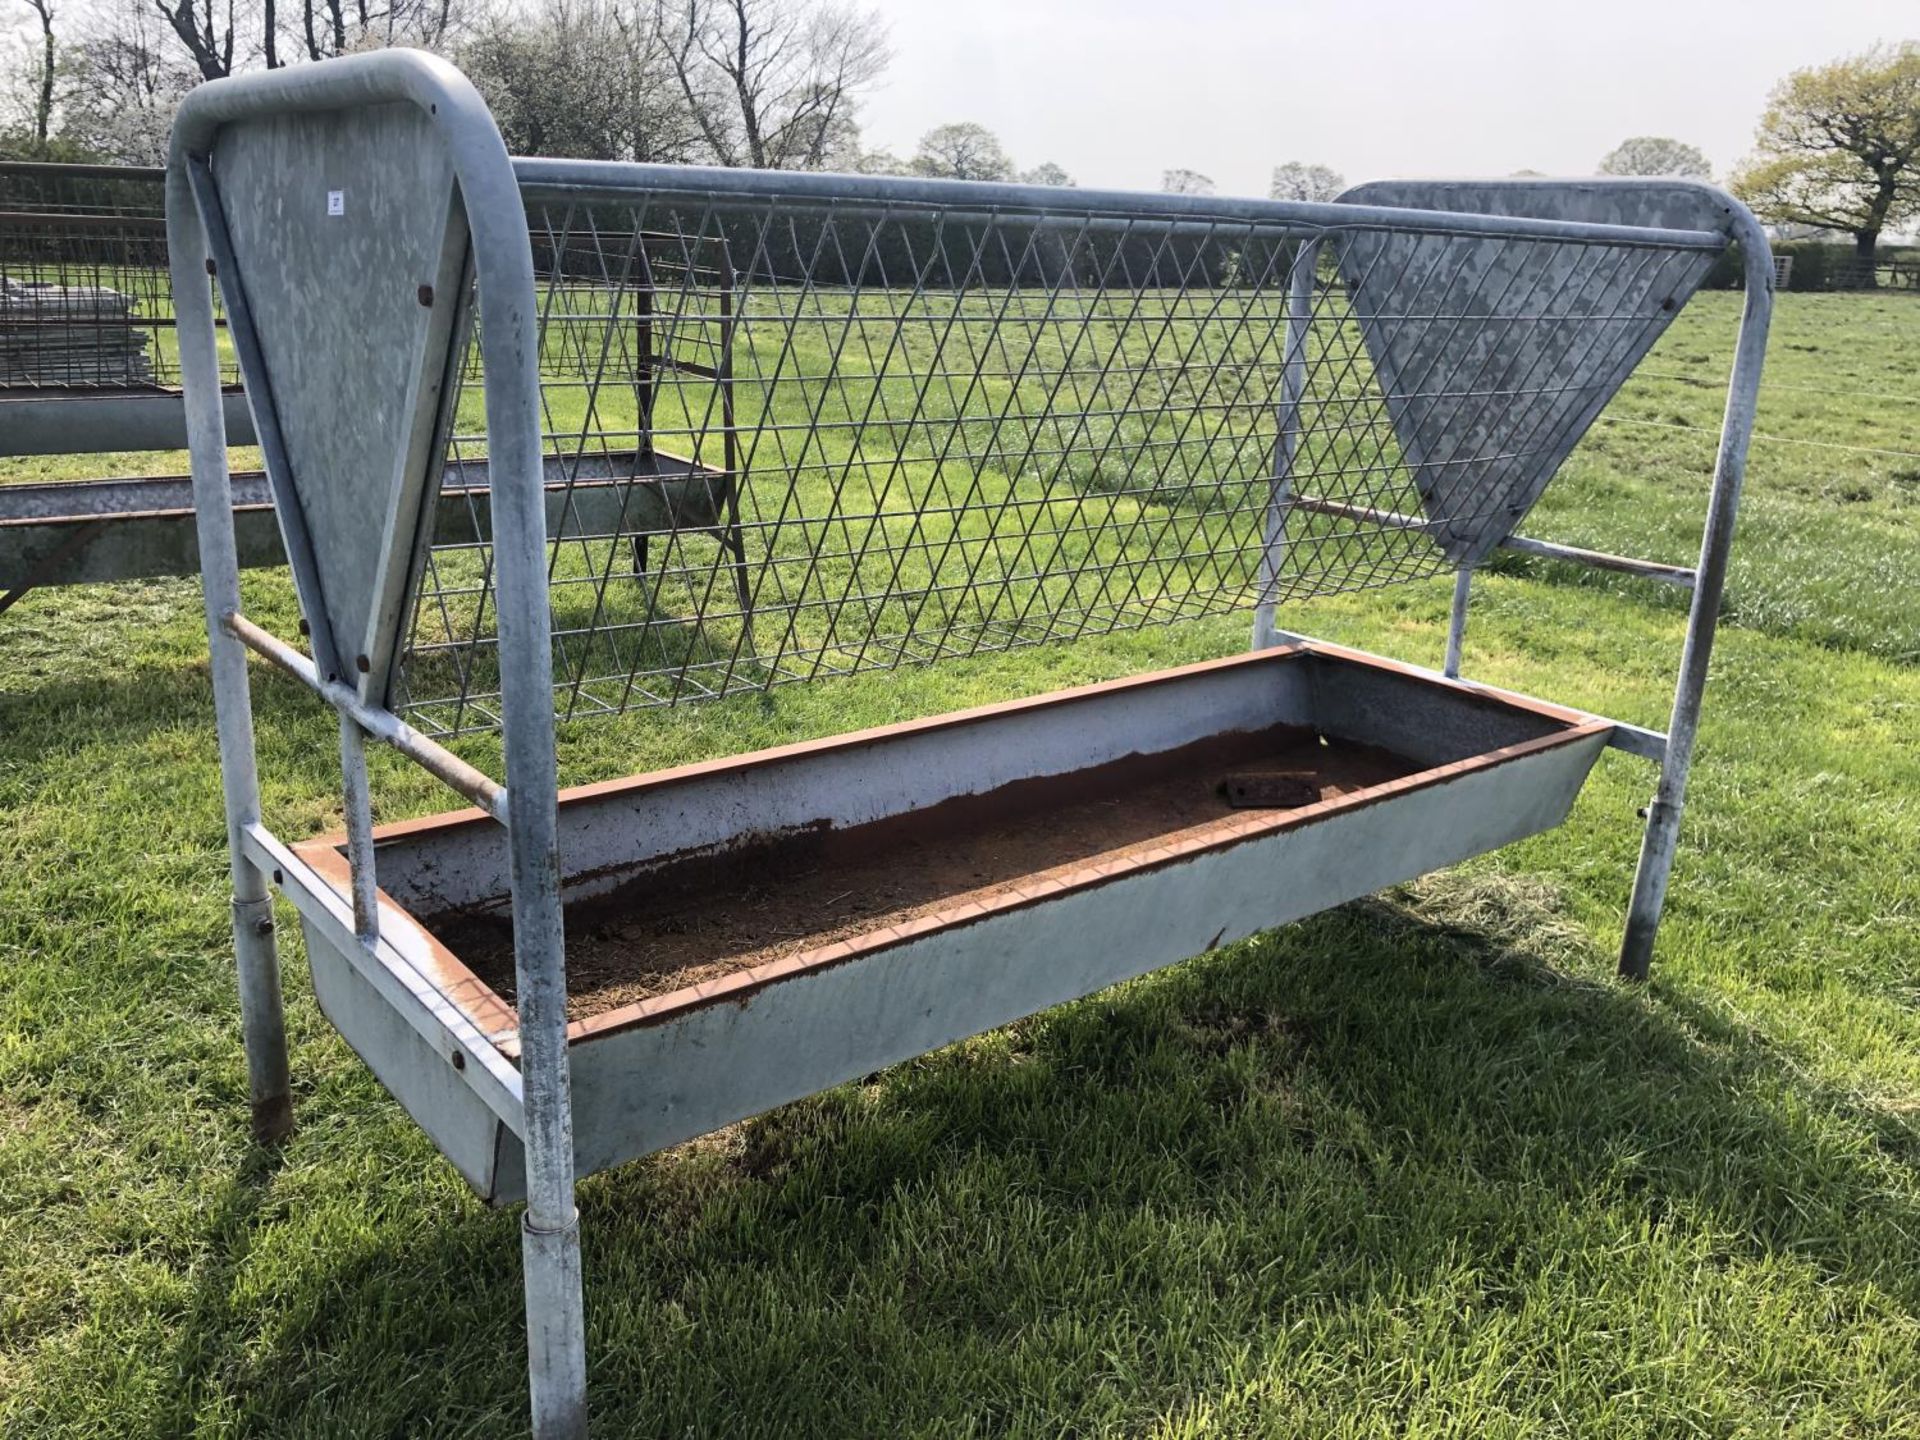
x: 154, y: 225
x: 382, y: 725
x: 546, y: 179
x: 67, y: 170
x: 1679, y: 575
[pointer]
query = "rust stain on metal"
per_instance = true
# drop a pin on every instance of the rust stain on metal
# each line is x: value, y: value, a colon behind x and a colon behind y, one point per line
x: 496, y: 1017
x: 1190, y: 845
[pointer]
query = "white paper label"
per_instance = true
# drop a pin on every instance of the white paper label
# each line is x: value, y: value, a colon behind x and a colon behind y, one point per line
x: 336, y: 202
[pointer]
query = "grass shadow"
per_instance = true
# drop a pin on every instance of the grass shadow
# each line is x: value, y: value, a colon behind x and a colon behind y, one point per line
x: 1424, y: 1104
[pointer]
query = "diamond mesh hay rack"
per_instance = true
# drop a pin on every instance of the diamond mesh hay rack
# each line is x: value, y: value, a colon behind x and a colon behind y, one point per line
x: 747, y: 429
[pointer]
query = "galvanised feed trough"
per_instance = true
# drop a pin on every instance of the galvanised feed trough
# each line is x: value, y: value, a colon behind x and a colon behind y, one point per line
x: 957, y: 418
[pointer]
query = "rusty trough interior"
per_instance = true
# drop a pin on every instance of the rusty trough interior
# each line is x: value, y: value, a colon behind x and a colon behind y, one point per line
x: 685, y: 920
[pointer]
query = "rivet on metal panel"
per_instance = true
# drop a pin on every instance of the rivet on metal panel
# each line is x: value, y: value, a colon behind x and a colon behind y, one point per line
x: 425, y: 292
x: 459, y: 1060
x: 362, y: 664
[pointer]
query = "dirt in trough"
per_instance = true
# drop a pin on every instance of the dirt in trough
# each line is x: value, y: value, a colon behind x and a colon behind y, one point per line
x: 694, y: 918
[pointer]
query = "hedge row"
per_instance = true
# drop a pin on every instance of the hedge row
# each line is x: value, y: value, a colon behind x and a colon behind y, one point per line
x: 1826, y: 265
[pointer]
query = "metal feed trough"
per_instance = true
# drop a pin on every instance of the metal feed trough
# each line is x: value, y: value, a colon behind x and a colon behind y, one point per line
x: 959, y: 418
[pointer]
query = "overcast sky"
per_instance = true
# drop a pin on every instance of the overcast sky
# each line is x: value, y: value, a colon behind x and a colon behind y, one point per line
x: 1119, y: 90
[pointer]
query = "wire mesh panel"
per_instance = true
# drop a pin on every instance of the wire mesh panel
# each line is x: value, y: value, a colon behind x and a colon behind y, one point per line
x: 796, y: 437
x: 85, y: 301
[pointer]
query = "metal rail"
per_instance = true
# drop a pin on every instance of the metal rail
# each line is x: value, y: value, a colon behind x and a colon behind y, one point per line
x: 1680, y: 575
x: 381, y: 725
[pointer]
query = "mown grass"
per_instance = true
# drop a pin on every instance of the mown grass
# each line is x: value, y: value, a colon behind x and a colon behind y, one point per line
x: 1414, y: 1167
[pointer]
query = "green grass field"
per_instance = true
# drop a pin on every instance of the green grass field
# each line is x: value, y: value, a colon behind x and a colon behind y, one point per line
x: 1416, y: 1167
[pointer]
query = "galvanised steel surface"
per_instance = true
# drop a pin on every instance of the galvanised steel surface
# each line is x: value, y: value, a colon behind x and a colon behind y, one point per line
x: 970, y: 418
x: 1674, y: 203
x: 933, y: 419
x: 95, y: 422
x: 1492, y: 769
x: 79, y: 532
x: 1467, y: 398
x: 502, y: 263
x: 83, y: 266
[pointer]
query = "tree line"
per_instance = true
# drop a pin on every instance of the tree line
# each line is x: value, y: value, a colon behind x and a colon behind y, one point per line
x: 1837, y: 150
x: 777, y: 84
x: 772, y: 83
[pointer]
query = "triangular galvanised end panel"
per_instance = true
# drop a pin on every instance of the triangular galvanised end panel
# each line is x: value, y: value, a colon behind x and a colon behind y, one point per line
x: 350, y: 242
x: 1495, y: 354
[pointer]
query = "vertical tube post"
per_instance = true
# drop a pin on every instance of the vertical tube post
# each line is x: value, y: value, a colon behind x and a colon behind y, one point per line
x: 256, y: 958
x: 736, y: 540
x: 550, y: 1227
x: 358, y: 798
x: 1457, y: 621
x: 1286, y: 445
x: 644, y: 383
x: 1658, y: 845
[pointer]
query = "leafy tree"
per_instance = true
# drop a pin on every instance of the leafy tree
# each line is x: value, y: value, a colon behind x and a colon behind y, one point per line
x: 44, y: 72
x: 1297, y: 180
x: 879, y: 162
x: 1839, y: 147
x: 122, y: 75
x: 734, y: 82
x: 1656, y: 155
x: 583, y: 78
x: 962, y: 151
x: 1186, y: 182
x: 1048, y: 173
x: 204, y: 32
x: 773, y: 83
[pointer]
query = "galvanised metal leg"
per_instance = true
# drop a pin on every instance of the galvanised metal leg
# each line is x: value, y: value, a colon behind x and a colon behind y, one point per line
x: 263, y: 1025
x: 1457, y: 622
x: 257, y: 960
x: 1662, y: 837
x: 556, y: 1326
x: 358, y: 799
x: 550, y: 1229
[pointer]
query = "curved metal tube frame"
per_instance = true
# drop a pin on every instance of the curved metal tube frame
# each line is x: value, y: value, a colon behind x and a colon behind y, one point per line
x: 503, y: 263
